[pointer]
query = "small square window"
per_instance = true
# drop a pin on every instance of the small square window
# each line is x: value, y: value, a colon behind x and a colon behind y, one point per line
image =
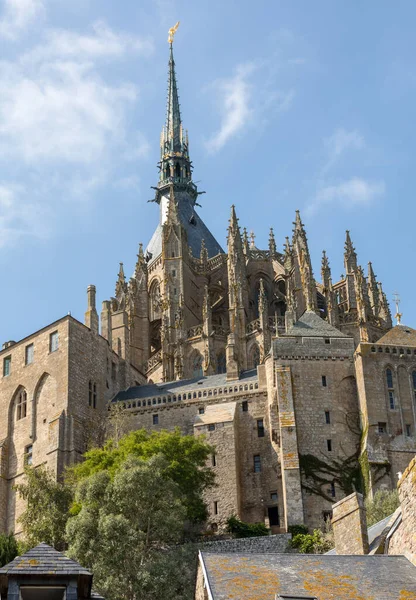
x: 244, y: 406
x: 273, y: 496
x: 155, y: 419
x: 29, y: 353
x: 53, y: 342
x: 29, y: 455
x: 201, y: 410
x: 327, y: 341
x: 324, y: 384
x: 260, y: 428
x: 211, y: 427
x: 408, y: 430
x: 382, y: 427
x: 327, y: 417
x: 257, y: 463
x: 7, y: 365
x: 329, y: 445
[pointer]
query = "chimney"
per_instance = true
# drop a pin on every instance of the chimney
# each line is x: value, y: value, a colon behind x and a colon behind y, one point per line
x: 91, y: 315
x: 350, y: 525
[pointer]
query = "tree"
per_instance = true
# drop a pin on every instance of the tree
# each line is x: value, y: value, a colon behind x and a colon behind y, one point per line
x: 8, y: 549
x: 186, y: 458
x: 239, y: 529
x: 47, y: 505
x: 383, y: 504
x: 127, y: 529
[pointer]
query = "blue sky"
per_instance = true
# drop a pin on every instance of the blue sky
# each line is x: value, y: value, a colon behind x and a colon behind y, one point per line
x: 289, y: 105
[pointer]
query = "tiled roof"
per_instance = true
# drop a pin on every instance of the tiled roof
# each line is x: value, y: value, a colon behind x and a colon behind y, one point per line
x: 185, y: 385
x: 262, y: 576
x: 311, y: 325
x: 43, y: 559
x: 399, y: 335
x: 217, y: 413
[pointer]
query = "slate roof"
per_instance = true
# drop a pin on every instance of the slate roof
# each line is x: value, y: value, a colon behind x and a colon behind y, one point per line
x: 311, y: 325
x: 400, y: 335
x: 194, y: 226
x: 184, y: 385
x: 43, y: 559
x: 262, y: 576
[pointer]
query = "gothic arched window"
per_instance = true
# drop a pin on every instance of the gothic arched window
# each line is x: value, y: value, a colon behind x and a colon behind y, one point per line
x: 155, y: 299
x: 178, y: 170
x: 390, y: 389
x: 255, y: 357
x: 221, y: 363
x: 21, y: 405
x: 196, y: 365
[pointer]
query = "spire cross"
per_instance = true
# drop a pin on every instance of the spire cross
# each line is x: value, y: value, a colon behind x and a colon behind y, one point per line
x: 252, y: 237
x: 398, y: 314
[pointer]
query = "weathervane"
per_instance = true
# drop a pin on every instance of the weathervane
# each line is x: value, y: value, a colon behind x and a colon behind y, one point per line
x: 172, y: 32
x: 398, y: 314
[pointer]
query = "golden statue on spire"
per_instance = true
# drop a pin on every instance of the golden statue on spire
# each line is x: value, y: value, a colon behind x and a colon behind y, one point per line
x: 172, y: 32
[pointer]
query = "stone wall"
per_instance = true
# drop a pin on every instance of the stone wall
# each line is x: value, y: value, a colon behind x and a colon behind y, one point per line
x: 350, y: 525
x: 403, y: 539
x: 267, y: 544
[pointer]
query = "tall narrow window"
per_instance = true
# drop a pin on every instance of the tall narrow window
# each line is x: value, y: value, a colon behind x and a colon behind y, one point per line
x: 90, y: 393
x: 215, y: 507
x: 260, y: 428
x: 257, y: 463
x: 155, y: 419
x: 213, y: 460
x: 333, y: 489
x: 329, y: 445
x: 21, y: 408
x: 408, y: 430
x: 7, y: 365
x: 324, y: 381
x: 390, y: 389
x: 414, y: 386
x: 327, y: 417
x: 94, y: 396
x: 29, y: 352
x: 53, y: 342
x: 244, y: 406
x: 29, y: 455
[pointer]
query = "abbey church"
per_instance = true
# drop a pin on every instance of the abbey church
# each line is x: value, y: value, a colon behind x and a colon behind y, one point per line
x: 304, y: 387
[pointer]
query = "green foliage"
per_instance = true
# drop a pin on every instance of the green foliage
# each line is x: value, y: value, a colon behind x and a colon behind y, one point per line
x: 8, y: 549
x: 244, y: 530
x: 312, y: 543
x: 383, y: 504
x: 47, y: 504
x: 185, y: 456
x: 296, y: 529
x: 127, y: 531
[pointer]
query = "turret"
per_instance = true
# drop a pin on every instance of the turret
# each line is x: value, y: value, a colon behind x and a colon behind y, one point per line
x: 91, y: 315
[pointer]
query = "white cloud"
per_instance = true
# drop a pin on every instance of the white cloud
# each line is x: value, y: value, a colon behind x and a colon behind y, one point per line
x: 236, y: 110
x: 18, y: 15
x: 102, y: 42
x: 340, y: 142
x: 355, y: 192
x: 18, y: 217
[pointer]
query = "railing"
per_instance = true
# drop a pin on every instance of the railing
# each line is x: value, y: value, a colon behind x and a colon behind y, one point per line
x: 195, y: 331
x: 220, y: 331
x: 153, y: 361
x: 213, y: 263
x: 259, y: 254
x: 194, y: 395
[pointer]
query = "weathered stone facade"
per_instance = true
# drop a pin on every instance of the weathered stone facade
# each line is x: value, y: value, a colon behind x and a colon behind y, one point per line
x: 403, y: 537
x: 301, y: 386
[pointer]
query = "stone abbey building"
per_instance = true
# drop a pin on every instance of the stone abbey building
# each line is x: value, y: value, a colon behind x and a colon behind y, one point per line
x: 304, y: 387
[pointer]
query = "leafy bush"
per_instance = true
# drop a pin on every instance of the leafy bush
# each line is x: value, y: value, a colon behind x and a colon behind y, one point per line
x: 239, y: 529
x: 296, y: 529
x: 312, y: 543
x: 8, y: 549
x: 383, y: 504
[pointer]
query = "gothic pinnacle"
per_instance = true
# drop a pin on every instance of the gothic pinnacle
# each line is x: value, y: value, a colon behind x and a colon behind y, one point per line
x: 272, y: 243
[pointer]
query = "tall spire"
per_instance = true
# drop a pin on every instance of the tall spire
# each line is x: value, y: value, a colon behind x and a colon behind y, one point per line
x: 173, y: 112
x: 350, y: 255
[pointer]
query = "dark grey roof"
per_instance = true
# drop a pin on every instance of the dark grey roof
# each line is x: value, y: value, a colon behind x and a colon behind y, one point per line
x: 43, y: 559
x: 374, y: 534
x: 262, y: 576
x: 311, y: 325
x: 184, y: 385
x: 196, y: 230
